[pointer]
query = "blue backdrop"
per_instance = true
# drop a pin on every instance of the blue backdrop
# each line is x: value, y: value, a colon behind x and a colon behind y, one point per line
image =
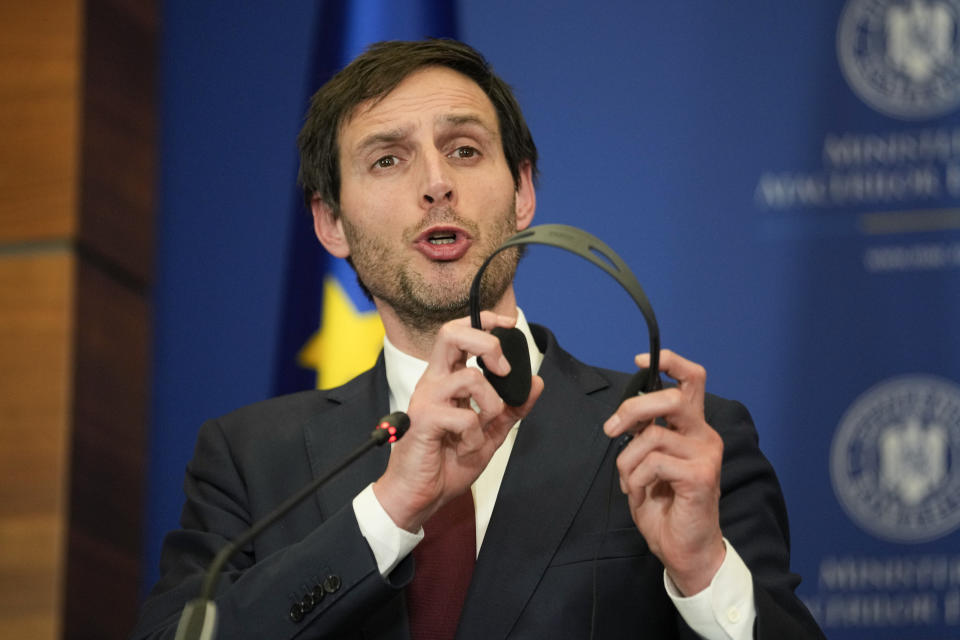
x: 783, y: 178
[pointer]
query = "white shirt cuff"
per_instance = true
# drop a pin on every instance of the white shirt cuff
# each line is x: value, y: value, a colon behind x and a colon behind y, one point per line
x: 725, y: 610
x: 390, y: 544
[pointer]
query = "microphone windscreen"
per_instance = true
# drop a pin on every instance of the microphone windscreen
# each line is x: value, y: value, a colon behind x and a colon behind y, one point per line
x: 391, y: 428
x: 400, y: 420
x: 514, y: 387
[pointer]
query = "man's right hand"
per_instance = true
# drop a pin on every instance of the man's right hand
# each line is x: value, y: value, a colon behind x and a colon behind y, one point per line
x: 449, y: 443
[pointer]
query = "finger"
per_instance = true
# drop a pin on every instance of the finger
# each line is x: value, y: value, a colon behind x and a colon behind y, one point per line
x: 494, y: 432
x: 660, y: 467
x: 704, y: 456
x: 665, y: 455
x: 636, y: 412
x: 458, y: 423
x: 433, y: 399
x: 687, y: 416
x: 443, y: 425
x: 488, y: 320
x: 687, y: 373
x: 457, y: 340
x: 470, y: 439
x: 460, y: 385
x: 657, y: 438
x: 477, y: 388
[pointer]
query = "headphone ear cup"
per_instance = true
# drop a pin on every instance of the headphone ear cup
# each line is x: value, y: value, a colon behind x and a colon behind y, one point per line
x: 514, y: 387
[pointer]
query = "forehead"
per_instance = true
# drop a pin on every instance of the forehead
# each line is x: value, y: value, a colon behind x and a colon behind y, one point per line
x: 422, y: 98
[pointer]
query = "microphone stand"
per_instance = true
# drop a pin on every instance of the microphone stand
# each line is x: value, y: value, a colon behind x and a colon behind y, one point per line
x: 199, y: 618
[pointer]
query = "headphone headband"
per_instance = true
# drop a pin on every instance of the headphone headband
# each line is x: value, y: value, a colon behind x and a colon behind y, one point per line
x: 591, y: 248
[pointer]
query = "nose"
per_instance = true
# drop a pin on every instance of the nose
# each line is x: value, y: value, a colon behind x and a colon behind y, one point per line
x: 437, y: 182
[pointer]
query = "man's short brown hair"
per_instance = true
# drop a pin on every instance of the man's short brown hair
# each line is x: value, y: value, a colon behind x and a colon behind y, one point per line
x: 373, y: 75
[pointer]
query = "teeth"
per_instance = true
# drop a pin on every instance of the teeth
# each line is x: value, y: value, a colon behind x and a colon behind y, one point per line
x: 442, y: 240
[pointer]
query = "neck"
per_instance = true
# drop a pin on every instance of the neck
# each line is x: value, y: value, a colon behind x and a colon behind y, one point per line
x: 418, y: 340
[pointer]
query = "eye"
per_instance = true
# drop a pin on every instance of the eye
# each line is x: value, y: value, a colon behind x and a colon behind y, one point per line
x: 385, y: 162
x: 465, y: 152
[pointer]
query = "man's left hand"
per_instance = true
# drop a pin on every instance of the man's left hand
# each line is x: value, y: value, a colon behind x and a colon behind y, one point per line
x: 671, y: 474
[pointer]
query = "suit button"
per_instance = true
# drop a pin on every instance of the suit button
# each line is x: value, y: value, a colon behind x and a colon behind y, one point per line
x: 296, y: 612
x: 331, y: 584
x: 307, y: 604
x: 318, y: 594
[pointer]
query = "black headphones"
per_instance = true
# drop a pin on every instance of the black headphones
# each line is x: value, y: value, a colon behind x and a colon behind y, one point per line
x: 514, y: 388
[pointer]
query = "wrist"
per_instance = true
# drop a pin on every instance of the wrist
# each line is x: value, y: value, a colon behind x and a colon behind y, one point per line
x: 397, y: 505
x: 698, y: 572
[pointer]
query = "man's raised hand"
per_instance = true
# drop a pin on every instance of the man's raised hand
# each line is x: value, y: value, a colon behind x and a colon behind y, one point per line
x: 449, y: 443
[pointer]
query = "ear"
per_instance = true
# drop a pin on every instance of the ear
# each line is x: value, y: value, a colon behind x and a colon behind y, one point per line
x: 526, y: 197
x: 329, y: 228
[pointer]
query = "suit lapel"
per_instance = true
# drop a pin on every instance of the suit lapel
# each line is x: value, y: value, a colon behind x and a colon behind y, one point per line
x: 337, y: 432
x: 531, y: 516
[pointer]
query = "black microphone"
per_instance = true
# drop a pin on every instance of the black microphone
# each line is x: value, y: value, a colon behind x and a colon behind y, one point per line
x: 199, y: 618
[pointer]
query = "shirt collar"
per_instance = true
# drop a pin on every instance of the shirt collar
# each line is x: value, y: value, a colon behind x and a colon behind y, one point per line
x: 404, y: 370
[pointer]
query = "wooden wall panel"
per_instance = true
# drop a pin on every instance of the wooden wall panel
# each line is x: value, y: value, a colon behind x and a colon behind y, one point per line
x: 115, y: 266
x: 77, y: 165
x: 39, y: 113
x: 108, y: 455
x: 119, y: 128
x: 39, y: 120
x: 36, y: 327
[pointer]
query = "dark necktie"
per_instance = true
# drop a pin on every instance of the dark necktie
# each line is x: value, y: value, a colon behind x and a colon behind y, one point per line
x: 444, y: 565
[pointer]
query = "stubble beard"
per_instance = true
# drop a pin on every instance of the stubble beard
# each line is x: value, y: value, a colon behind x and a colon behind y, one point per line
x: 421, y: 301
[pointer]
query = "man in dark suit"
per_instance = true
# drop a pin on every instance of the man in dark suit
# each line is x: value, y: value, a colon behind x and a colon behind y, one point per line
x: 417, y: 164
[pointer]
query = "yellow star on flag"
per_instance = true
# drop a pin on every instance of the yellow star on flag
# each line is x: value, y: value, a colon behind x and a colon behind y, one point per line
x: 348, y: 341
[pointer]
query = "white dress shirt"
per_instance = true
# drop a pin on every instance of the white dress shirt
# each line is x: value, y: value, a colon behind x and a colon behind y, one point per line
x: 725, y: 610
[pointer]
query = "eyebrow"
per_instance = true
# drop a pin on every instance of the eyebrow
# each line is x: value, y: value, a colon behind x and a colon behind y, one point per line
x: 454, y: 120
x: 386, y: 138
x: 380, y: 138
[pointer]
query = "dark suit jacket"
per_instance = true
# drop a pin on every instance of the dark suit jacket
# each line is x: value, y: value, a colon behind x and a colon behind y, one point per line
x: 553, y: 530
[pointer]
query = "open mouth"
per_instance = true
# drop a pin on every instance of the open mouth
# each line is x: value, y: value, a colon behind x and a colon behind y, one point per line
x: 444, y: 244
x: 442, y: 237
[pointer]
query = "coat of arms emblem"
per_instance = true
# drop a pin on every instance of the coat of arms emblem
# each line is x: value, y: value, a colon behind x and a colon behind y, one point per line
x: 913, y: 459
x: 895, y: 459
x: 902, y: 57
